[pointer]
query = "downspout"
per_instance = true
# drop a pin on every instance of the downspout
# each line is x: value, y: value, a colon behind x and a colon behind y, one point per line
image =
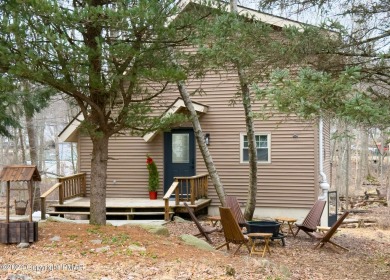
x: 324, y: 185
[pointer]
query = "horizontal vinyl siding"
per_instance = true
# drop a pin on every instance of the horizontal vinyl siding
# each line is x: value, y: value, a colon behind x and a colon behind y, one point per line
x: 127, y: 175
x: 288, y: 181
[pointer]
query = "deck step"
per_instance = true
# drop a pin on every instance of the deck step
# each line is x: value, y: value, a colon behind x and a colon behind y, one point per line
x: 109, y: 213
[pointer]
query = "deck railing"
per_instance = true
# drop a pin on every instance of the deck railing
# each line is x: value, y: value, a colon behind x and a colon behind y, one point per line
x: 73, y: 186
x: 68, y: 187
x: 186, y: 189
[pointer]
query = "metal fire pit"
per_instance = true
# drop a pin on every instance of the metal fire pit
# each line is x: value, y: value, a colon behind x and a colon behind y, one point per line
x: 266, y: 227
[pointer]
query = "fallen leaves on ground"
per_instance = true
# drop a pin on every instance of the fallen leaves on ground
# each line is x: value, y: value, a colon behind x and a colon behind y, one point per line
x: 81, y: 251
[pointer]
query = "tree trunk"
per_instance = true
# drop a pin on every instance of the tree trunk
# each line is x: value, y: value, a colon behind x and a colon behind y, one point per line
x: 33, y: 157
x: 41, y: 145
x: 57, y: 150
x: 347, y: 161
x: 58, y: 160
x: 387, y: 190
x: 5, y: 157
x: 72, y: 146
x: 2, y: 150
x: 72, y: 155
x: 16, y: 147
x: 31, y: 139
x: 252, y: 150
x: 202, y: 144
x: 98, y: 180
x: 22, y: 148
x: 338, y: 160
x: 233, y: 5
x: 363, y: 159
x: 381, y: 155
x: 250, y: 133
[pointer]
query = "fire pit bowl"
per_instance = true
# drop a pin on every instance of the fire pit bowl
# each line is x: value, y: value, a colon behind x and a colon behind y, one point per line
x: 264, y: 227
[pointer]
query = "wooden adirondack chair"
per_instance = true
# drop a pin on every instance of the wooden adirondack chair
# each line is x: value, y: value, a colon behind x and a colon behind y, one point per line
x: 232, y: 203
x: 325, y: 238
x: 232, y: 230
x: 205, y: 231
x: 312, y: 219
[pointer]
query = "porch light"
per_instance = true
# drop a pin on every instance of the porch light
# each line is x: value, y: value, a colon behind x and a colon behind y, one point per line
x: 207, y: 138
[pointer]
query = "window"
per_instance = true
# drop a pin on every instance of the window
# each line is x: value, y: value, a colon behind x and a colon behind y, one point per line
x: 262, y: 145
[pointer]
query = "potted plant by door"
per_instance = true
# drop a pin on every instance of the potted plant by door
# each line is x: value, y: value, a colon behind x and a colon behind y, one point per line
x: 154, y: 180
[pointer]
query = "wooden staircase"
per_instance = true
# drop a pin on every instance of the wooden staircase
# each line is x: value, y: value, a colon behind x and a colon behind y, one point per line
x: 112, y: 212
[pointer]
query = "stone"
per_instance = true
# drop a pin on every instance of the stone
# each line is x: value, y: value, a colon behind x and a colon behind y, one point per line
x: 55, y: 238
x: 178, y: 219
x: 18, y: 277
x: 23, y: 245
x: 103, y: 249
x: 194, y: 241
x: 159, y: 230
x: 59, y: 219
x: 136, y: 248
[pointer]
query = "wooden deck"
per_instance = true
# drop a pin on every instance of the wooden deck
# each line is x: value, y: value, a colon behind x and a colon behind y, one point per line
x: 125, y: 208
x: 72, y: 199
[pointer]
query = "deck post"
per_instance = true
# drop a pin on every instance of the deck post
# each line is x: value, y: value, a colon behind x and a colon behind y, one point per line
x: 166, y: 210
x: 8, y: 202
x: 61, y: 193
x: 83, y: 185
x: 177, y: 197
x: 30, y: 192
x: 193, y: 192
x: 43, y: 208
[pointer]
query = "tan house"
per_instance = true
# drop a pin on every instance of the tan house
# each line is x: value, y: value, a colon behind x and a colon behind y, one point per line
x: 290, y: 158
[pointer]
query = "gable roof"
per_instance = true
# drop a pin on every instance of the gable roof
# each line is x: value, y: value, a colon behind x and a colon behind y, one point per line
x: 260, y: 16
x: 175, y: 107
x: 69, y: 133
x: 16, y: 173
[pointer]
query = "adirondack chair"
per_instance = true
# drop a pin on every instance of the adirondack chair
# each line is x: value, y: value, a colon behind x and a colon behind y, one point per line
x: 232, y: 203
x: 205, y: 231
x: 312, y: 219
x: 325, y: 238
x: 232, y: 230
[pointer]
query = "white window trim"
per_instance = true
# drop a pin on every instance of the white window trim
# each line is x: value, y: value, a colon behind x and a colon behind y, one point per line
x: 269, y: 139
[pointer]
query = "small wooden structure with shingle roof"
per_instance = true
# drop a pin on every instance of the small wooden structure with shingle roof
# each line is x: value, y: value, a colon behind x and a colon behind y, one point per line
x: 18, y: 173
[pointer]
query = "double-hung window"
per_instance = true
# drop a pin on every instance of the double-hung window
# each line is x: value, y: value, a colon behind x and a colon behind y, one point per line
x: 263, y: 144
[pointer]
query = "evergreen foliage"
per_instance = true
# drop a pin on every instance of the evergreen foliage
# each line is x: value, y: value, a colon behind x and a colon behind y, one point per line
x: 357, y: 88
x: 113, y: 58
x: 154, y: 180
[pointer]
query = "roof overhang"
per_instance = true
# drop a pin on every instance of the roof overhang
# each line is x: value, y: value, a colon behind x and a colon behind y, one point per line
x: 17, y: 173
x: 70, y: 132
x: 176, y: 106
x: 250, y: 13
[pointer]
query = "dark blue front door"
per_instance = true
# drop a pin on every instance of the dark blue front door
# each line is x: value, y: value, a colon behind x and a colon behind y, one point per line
x: 179, y: 155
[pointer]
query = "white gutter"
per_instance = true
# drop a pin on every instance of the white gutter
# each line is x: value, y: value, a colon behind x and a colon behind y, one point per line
x: 324, y: 185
